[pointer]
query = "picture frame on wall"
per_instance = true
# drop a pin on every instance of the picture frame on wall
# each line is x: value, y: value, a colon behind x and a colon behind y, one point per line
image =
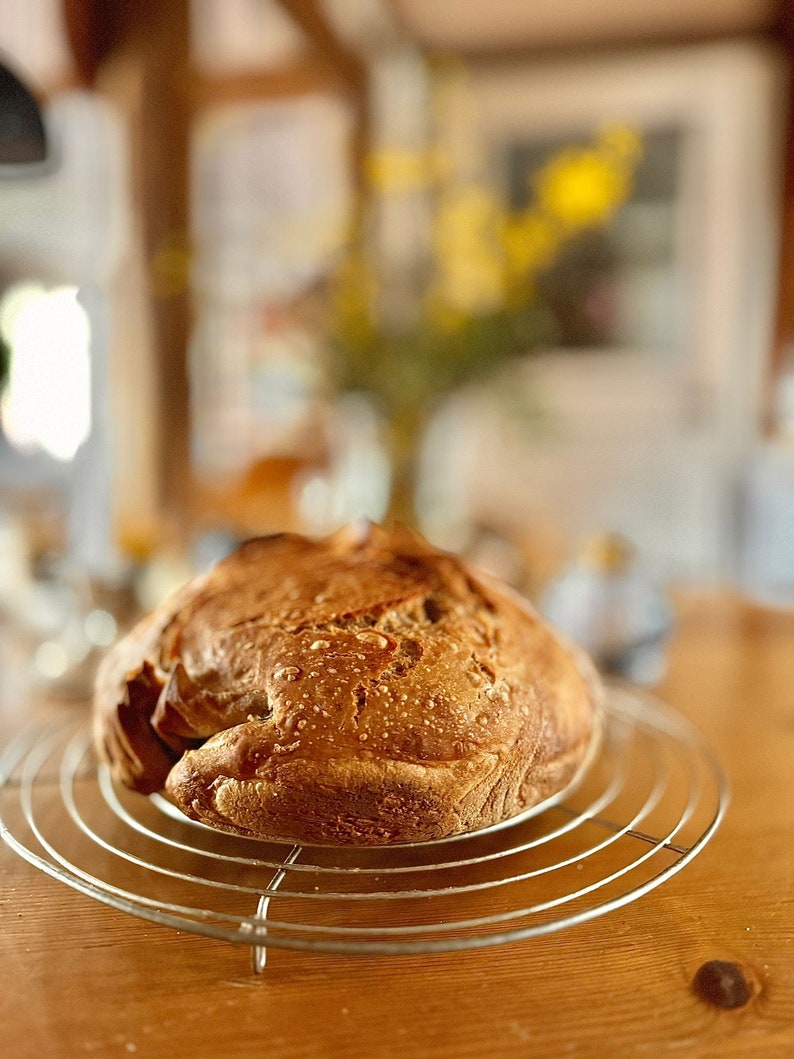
x: 649, y: 417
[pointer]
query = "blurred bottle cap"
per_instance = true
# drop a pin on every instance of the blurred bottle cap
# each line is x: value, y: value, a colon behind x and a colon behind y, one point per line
x: 608, y: 553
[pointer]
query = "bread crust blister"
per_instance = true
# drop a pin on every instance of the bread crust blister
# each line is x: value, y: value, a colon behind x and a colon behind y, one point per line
x: 364, y: 689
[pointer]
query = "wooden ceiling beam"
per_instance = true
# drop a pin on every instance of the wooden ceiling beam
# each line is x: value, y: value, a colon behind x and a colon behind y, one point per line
x: 308, y: 16
x: 510, y: 28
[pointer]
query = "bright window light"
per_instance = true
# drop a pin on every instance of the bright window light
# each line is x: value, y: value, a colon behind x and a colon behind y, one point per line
x: 47, y: 403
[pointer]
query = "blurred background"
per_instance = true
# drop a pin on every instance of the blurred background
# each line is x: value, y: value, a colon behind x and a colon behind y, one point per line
x: 519, y: 273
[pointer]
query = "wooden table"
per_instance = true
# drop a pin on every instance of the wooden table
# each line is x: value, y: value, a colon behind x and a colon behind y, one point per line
x: 80, y: 978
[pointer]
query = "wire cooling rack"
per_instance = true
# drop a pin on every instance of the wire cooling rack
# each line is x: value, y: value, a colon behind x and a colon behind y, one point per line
x: 647, y: 804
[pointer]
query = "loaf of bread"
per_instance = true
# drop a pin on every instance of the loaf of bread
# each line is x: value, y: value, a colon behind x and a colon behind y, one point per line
x: 365, y: 689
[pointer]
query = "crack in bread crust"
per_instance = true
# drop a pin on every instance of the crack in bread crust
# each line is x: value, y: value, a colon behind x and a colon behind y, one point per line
x: 363, y: 689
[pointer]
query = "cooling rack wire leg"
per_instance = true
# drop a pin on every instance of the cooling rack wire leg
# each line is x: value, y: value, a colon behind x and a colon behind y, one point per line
x: 259, y: 952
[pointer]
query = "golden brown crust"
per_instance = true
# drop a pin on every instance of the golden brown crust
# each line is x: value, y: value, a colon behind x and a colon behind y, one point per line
x: 364, y: 689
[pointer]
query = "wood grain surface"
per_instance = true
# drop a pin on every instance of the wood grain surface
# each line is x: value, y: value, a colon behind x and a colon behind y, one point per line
x: 79, y: 978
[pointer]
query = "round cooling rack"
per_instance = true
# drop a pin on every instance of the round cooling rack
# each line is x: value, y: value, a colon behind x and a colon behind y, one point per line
x: 649, y: 801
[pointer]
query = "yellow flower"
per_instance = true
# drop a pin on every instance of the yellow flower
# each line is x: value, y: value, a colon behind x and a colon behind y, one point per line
x: 582, y: 188
x: 469, y: 255
x: 623, y: 141
x: 473, y: 284
x: 398, y: 170
x: 486, y: 261
x: 530, y: 241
